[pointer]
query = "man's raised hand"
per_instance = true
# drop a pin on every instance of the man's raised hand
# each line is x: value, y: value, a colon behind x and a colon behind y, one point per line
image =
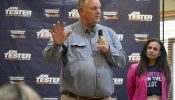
x: 58, y: 34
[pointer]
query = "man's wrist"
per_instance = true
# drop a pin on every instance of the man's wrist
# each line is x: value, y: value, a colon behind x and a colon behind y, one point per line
x: 109, y: 48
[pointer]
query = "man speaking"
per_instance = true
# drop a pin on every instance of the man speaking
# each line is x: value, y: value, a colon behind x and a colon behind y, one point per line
x: 88, y: 56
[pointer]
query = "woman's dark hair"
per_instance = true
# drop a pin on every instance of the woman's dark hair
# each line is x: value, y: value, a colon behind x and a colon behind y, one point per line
x: 162, y: 62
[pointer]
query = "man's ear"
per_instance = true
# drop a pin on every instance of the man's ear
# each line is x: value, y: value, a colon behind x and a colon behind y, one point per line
x: 80, y: 10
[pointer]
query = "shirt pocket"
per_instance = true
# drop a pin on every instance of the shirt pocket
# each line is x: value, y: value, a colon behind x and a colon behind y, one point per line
x: 79, y: 51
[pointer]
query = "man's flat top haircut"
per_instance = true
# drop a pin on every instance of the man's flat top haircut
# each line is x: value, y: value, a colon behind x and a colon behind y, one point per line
x: 80, y: 3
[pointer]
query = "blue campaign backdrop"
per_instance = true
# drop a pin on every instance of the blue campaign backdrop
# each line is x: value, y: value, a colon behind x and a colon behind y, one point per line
x: 24, y: 28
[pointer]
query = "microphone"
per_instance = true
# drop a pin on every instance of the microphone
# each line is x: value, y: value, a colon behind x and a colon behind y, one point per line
x: 100, y: 33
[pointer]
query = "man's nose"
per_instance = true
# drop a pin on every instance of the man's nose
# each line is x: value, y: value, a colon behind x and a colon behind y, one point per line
x: 98, y: 11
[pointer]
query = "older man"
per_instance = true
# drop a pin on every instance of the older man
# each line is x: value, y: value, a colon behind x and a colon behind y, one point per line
x: 87, y: 57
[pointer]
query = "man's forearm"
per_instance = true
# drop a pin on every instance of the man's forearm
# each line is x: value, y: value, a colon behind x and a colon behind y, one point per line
x: 50, y: 53
x: 116, y: 58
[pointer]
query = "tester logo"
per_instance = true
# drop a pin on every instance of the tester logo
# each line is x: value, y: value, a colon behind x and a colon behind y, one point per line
x: 16, y: 79
x: 118, y: 81
x: 50, y: 98
x: 110, y: 15
x: 134, y: 57
x: 13, y: 11
x: 136, y: 16
x: 45, y: 79
x: 13, y: 55
x: 44, y: 34
x: 52, y: 12
x: 120, y: 37
x: 17, y: 33
x: 141, y: 37
x: 73, y: 14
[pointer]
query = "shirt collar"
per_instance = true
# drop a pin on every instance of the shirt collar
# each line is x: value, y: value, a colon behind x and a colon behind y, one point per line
x: 86, y: 30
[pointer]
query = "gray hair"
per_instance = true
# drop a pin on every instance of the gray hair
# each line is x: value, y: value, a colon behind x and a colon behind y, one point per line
x: 18, y: 92
x: 81, y: 3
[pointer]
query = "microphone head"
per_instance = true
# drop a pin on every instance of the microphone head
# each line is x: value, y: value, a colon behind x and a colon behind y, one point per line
x: 100, y: 33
